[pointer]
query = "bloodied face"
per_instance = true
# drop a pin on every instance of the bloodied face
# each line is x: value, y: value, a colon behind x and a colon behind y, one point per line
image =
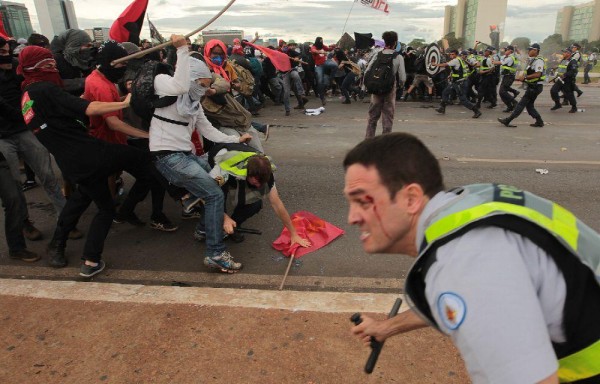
x: 387, y: 223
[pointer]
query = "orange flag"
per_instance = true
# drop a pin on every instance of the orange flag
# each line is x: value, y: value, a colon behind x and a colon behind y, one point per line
x: 318, y: 231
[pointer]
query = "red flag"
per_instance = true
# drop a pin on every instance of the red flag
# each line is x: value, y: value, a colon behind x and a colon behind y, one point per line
x: 128, y: 26
x: 318, y: 231
x: 3, y: 32
x: 280, y: 60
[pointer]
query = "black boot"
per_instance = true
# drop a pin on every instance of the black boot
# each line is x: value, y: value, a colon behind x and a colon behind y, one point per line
x: 573, y: 110
x: 506, y: 122
x: 556, y: 106
x: 476, y: 113
x: 538, y: 123
x: 56, y: 256
x: 441, y: 109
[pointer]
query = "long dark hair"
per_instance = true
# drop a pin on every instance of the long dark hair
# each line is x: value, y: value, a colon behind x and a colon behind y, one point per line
x: 319, y: 42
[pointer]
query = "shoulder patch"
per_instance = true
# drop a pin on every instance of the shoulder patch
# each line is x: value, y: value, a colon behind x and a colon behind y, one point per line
x: 451, y: 309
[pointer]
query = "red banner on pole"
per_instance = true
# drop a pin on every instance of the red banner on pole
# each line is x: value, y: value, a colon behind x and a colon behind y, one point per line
x: 318, y: 231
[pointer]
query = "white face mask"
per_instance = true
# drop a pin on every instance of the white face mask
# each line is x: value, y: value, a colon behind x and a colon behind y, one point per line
x: 196, y: 91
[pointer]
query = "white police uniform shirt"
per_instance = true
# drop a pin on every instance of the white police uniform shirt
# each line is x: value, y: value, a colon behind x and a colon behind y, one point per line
x: 454, y: 64
x: 537, y: 64
x: 500, y: 299
x: 507, y: 60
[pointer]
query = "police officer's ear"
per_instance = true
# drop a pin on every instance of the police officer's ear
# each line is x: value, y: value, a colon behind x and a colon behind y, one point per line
x: 414, y: 198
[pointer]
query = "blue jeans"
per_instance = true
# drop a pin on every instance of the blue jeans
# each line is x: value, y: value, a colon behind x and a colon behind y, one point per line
x: 191, y: 172
x: 321, y: 78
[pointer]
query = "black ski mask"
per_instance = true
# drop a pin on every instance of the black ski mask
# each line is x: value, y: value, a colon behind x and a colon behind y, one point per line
x: 6, y: 59
x: 107, y: 53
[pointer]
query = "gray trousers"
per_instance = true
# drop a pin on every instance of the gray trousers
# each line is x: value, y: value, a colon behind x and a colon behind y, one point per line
x: 15, y: 210
x: 276, y: 86
x: 291, y: 82
x: 38, y: 158
x: 382, y: 106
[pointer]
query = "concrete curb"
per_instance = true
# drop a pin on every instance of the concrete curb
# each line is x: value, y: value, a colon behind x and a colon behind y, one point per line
x: 330, y: 302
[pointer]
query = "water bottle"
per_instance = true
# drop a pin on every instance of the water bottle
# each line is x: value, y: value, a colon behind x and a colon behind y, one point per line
x: 580, y: 110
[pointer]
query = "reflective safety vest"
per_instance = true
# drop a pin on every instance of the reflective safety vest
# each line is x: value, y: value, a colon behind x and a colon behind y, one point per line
x: 511, y: 69
x: 483, y: 65
x: 462, y: 71
x: 235, y: 163
x: 574, y: 247
x: 531, y: 71
x: 562, y: 67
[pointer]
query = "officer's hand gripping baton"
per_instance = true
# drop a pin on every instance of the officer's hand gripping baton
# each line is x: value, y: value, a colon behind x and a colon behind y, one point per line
x: 376, y: 345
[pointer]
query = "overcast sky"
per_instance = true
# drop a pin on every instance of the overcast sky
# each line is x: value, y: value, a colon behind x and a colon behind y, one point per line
x: 303, y: 20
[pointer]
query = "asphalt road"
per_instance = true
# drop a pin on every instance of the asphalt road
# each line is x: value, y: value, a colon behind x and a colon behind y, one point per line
x: 308, y: 151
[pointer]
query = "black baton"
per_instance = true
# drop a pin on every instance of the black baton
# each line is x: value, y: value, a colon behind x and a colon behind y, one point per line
x: 376, y: 345
x: 249, y: 230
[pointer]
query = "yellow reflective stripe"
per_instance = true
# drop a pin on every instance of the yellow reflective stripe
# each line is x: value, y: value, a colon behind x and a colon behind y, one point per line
x: 562, y: 224
x: 229, y: 164
x: 565, y: 225
x: 580, y: 365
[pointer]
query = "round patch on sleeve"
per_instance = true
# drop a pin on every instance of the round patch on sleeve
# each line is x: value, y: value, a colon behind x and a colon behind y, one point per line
x: 451, y: 309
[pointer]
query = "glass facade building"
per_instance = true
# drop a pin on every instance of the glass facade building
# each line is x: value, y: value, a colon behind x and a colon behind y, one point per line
x: 16, y: 20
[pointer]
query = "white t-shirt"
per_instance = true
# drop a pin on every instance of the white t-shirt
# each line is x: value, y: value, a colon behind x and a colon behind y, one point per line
x: 500, y: 298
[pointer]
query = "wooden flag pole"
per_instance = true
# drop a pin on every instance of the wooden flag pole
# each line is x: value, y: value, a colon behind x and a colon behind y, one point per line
x: 287, y: 271
x: 164, y: 45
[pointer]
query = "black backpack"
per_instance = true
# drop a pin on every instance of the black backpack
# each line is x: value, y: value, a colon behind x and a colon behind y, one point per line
x: 380, y: 78
x: 143, y: 97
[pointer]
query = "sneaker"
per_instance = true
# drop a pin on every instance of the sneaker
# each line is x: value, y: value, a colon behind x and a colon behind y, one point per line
x: 30, y: 232
x: 89, y: 271
x: 29, y: 184
x: 236, y: 237
x: 56, y: 257
x: 287, y: 113
x: 130, y: 218
x: 223, y: 262
x: 195, y: 214
x: 163, y: 224
x: 24, y: 255
x: 189, y: 203
x: 200, y: 235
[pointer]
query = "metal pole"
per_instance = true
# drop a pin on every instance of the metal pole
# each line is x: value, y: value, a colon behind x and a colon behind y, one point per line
x: 164, y: 45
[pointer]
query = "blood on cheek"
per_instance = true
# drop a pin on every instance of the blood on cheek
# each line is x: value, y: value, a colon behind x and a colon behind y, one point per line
x: 371, y: 202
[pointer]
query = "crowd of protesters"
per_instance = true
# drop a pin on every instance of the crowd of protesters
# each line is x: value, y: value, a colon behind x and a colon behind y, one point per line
x: 201, y: 138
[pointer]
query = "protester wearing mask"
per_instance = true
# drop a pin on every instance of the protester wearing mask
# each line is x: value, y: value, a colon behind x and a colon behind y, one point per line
x: 170, y: 143
x: 55, y: 117
x: 73, y: 53
x: 215, y: 57
x: 292, y: 80
x: 16, y: 140
x: 318, y: 51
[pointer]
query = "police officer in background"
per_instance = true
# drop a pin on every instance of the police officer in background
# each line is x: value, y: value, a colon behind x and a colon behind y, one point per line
x: 575, y: 47
x: 459, y: 73
x: 487, y: 85
x: 534, y: 76
x: 565, y: 81
x: 526, y: 310
x: 592, y: 60
x: 508, y: 69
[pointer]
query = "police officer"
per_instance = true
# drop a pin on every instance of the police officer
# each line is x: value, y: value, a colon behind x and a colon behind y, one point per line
x: 472, y: 82
x: 565, y: 81
x: 525, y: 310
x: 487, y: 85
x: 592, y: 60
x: 508, y: 68
x: 458, y: 75
x: 534, y: 76
x: 575, y: 47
